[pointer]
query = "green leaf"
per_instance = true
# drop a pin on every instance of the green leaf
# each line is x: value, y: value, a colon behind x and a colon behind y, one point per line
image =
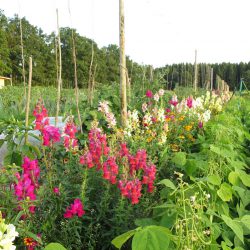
x: 151, y: 238
x: 235, y: 226
x: 225, y: 192
x: 121, y: 239
x: 233, y: 178
x: 179, y: 158
x: 245, y: 178
x: 54, y: 246
x: 145, y: 222
x: 214, y: 179
x: 246, y: 221
x: 168, y: 183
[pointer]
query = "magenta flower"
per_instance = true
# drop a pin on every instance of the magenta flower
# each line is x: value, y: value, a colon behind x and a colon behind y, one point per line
x: 56, y: 190
x: 149, y: 94
x: 74, y: 209
x: 200, y: 124
x: 189, y: 102
x: 51, y: 134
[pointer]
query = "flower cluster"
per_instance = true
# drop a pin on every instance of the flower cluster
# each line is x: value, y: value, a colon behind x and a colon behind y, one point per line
x: 41, y: 115
x: 110, y: 118
x: 49, y: 133
x: 97, y: 148
x: 28, y: 182
x: 74, y: 209
x: 8, y: 234
x: 69, y: 135
x: 132, y: 166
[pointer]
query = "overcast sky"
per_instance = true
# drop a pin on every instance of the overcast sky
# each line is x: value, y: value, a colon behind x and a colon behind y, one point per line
x: 158, y: 32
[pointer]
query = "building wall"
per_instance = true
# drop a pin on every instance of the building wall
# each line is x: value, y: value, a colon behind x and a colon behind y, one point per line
x: 1, y: 83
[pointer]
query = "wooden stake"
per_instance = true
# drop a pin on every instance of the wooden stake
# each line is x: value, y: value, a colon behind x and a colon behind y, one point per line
x: 22, y: 54
x: 59, y: 83
x: 28, y: 101
x: 195, y: 72
x: 122, y: 66
x: 76, y: 82
x: 90, y: 93
x: 211, y: 79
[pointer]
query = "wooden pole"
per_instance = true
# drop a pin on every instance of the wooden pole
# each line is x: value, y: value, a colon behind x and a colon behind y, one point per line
x: 122, y: 66
x: 211, y: 79
x: 22, y: 54
x: 76, y: 82
x: 28, y: 100
x: 90, y: 97
x: 195, y: 72
x: 59, y: 83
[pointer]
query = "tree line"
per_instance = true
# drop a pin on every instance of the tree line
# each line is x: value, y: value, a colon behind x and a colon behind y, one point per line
x: 42, y: 48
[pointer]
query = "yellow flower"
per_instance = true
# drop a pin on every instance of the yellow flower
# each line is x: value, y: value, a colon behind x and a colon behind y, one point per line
x: 188, y: 127
x: 174, y: 147
x: 150, y: 139
x: 181, y: 118
x: 181, y: 137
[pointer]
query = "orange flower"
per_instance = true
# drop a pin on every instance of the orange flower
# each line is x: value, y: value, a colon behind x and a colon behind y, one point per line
x: 29, y: 242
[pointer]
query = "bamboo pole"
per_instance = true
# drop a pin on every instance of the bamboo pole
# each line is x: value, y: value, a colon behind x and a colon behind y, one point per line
x: 122, y: 66
x: 59, y: 83
x: 211, y: 79
x: 195, y: 72
x: 90, y: 97
x: 28, y: 101
x: 76, y: 82
x: 22, y: 54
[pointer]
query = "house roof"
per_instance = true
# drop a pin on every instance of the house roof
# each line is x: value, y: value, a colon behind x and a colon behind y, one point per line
x: 5, y: 78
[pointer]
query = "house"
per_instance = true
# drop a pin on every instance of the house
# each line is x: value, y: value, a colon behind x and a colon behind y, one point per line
x: 2, y: 79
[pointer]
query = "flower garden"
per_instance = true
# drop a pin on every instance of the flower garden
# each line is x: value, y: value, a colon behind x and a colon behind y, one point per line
x: 176, y: 177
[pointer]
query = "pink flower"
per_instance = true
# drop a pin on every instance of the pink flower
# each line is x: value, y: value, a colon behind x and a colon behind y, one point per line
x: 51, y: 135
x: 200, y: 124
x: 174, y: 101
x: 189, y: 102
x: 74, y: 209
x: 56, y: 190
x: 149, y: 94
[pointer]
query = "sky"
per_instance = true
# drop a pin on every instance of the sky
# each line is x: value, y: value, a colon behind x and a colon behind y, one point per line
x: 157, y: 32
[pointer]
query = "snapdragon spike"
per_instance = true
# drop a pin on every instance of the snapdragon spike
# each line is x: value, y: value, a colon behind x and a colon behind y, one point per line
x: 41, y: 115
x: 189, y: 102
x: 69, y: 135
x: 28, y: 182
x: 51, y: 135
x: 131, y: 189
x: 75, y: 209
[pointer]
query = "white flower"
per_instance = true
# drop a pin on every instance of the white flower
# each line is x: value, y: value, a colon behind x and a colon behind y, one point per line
x: 206, y: 115
x: 7, y: 235
x: 161, y: 115
x: 156, y: 97
x: 192, y: 198
x: 144, y: 107
x: 161, y: 92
